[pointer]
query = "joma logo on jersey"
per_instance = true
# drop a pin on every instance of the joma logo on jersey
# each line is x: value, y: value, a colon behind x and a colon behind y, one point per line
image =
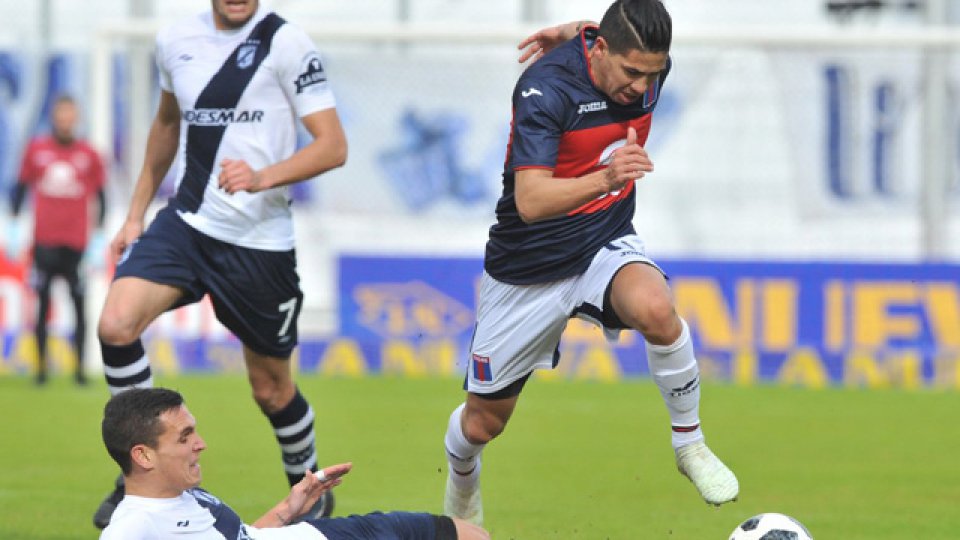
x: 592, y: 107
x: 220, y: 117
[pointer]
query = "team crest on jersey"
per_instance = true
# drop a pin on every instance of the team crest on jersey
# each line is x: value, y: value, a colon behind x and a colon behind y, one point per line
x: 246, y: 53
x: 312, y: 73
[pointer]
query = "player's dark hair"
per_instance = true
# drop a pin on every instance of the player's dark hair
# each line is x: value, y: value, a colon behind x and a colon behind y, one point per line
x: 132, y: 417
x: 64, y: 98
x: 642, y: 25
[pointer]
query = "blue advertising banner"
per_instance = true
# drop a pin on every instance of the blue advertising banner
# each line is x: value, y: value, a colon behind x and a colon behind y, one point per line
x: 809, y: 324
x: 806, y: 324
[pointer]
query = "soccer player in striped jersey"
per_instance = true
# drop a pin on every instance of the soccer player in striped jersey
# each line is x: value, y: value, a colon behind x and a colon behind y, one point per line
x: 234, y: 82
x: 564, y: 243
x: 152, y: 436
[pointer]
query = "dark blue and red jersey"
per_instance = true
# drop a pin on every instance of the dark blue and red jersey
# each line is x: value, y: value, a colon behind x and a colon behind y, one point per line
x: 562, y: 122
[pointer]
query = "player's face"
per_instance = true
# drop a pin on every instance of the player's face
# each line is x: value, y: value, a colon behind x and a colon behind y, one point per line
x: 625, y: 77
x: 63, y: 120
x: 229, y: 14
x: 178, y: 451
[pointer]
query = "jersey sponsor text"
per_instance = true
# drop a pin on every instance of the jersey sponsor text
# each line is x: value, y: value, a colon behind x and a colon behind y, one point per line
x: 220, y: 117
x: 592, y: 107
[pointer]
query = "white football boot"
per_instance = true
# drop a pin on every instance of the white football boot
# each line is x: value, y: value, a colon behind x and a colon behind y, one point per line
x: 714, y: 480
x: 463, y: 504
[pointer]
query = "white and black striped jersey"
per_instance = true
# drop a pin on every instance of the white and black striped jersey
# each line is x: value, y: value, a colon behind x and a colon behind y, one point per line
x: 194, y: 515
x: 241, y: 93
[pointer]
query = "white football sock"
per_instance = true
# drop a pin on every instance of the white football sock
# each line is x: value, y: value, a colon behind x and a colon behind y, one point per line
x: 462, y: 455
x: 675, y: 370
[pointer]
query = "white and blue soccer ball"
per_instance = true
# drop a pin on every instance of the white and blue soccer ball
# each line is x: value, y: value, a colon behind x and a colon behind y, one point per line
x: 771, y: 526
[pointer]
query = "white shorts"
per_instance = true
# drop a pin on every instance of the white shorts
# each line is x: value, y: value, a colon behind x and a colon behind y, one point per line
x: 519, y: 326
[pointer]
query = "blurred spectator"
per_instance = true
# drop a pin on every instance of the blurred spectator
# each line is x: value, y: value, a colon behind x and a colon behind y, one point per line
x: 64, y: 173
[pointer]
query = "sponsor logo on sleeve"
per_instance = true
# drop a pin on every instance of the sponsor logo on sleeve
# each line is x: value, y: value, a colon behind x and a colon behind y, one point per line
x: 312, y: 73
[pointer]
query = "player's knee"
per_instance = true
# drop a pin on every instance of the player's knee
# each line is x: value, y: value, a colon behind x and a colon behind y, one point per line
x: 268, y: 397
x: 657, y: 320
x: 469, y: 531
x: 115, y: 330
x: 482, y: 428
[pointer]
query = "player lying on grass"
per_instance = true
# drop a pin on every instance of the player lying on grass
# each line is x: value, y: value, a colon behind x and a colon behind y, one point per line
x: 153, y: 437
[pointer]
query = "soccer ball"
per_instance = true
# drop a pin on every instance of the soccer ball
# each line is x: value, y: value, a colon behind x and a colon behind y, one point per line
x: 771, y: 526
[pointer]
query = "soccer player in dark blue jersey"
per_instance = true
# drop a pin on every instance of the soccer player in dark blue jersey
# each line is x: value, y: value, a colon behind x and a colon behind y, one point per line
x: 564, y: 243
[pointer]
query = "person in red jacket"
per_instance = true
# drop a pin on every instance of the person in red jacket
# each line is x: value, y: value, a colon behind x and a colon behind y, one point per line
x: 64, y: 174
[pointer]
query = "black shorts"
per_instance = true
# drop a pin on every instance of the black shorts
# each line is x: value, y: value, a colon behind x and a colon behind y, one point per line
x: 255, y: 293
x: 390, y: 526
x: 52, y: 261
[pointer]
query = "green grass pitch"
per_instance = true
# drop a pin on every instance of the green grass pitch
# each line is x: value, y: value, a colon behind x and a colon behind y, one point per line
x: 578, y: 460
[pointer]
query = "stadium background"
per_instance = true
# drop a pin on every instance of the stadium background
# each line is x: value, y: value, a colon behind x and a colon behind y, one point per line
x: 804, y: 200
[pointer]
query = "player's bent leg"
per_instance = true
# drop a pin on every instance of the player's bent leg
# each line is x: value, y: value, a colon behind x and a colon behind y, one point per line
x: 641, y: 299
x: 131, y: 305
x: 715, y: 481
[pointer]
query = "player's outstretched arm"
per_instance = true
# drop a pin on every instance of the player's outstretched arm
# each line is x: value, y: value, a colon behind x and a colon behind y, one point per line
x: 327, y: 151
x: 303, y: 495
x: 542, y: 41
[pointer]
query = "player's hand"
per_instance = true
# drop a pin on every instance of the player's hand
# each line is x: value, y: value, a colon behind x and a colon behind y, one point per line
x: 236, y: 175
x: 629, y: 162
x: 541, y: 42
x: 308, y: 491
x: 128, y: 234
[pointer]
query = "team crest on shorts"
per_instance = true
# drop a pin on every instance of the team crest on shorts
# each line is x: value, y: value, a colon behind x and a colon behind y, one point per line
x: 482, y: 371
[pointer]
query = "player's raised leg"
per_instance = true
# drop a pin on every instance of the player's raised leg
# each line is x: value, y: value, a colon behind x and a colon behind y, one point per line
x: 472, y: 425
x: 642, y: 300
x: 132, y: 303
